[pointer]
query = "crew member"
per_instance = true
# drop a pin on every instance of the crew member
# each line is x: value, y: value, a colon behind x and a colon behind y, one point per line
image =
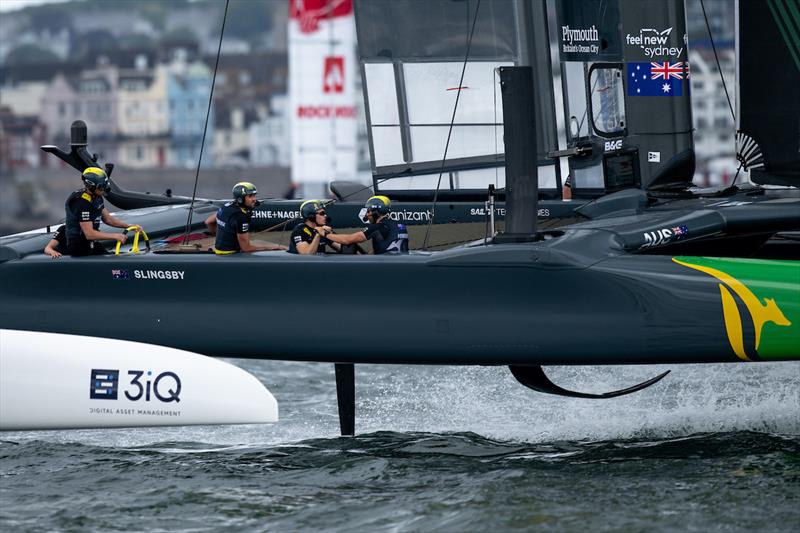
x: 57, y: 244
x: 309, y: 237
x: 387, y: 235
x: 85, y: 209
x: 231, y: 223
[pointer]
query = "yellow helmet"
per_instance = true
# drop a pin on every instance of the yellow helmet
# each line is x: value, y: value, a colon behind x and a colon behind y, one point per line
x: 310, y: 207
x: 95, y: 178
x: 242, y: 189
x: 381, y: 204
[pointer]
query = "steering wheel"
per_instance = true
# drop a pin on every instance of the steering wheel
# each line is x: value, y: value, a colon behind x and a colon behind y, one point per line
x: 135, y: 247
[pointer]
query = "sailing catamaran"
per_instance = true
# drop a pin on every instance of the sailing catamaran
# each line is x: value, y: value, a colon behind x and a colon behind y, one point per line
x: 652, y: 271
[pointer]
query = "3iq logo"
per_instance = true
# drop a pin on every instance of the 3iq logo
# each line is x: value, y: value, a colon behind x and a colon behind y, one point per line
x: 104, y: 385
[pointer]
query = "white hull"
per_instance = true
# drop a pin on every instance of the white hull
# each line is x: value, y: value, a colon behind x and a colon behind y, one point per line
x: 54, y: 381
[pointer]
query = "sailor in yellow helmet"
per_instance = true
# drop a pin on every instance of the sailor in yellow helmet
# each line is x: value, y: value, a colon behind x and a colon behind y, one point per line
x: 231, y: 222
x: 85, y: 209
x: 387, y: 236
x: 309, y: 237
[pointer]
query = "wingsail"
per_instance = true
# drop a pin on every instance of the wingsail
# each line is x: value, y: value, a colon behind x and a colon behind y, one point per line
x: 413, y: 54
x: 768, y: 54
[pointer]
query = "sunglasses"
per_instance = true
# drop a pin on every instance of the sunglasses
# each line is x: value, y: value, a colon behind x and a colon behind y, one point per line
x: 323, y: 213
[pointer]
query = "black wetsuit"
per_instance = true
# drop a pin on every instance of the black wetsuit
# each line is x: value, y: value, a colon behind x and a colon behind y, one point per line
x: 387, y: 237
x: 302, y: 233
x: 232, y: 221
x: 60, y: 236
x: 83, y: 207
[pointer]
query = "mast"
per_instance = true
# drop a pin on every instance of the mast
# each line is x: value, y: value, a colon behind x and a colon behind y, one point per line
x: 519, y: 126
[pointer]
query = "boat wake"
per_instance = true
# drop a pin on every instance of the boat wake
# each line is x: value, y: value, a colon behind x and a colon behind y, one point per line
x: 437, y: 449
x: 488, y: 402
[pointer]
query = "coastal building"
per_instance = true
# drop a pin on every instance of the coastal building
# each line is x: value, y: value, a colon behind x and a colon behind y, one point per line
x: 188, y: 87
x: 91, y: 97
x: 20, y: 139
x: 231, y: 139
x: 142, y: 118
x: 24, y: 98
x: 270, y: 141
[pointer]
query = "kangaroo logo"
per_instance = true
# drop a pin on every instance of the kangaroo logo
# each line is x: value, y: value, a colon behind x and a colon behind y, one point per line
x: 761, y: 313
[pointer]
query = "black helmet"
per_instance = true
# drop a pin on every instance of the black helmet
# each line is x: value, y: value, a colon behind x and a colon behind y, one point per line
x: 242, y: 189
x: 380, y: 204
x: 95, y: 178
x: 309, y: 208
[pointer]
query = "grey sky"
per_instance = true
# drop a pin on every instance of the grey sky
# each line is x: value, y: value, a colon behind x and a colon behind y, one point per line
x: 13, y: 5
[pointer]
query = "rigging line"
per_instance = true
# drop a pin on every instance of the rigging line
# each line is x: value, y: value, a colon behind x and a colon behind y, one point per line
x: 205, y: 127
x: 452, y: 121
x: 586, y: 110
x: 719, y: 68
x: 495, y: 73
x: 733, y: 183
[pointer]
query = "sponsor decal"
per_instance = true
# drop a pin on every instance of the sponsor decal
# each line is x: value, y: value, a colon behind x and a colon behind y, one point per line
x: 410, y: 215
x: 333, y: 75
x: 663, y: 236
x: 140, y: 412
x: 654, y: 157
x: 655, y: 79
x: 168, y: 392
x: 245, y: 227
x: 165, y: 387
x: 159, y: 274
x: 727, y: 203
x: 580, y: 40
x: 326, y: 111
x: 310, y: 13
x: 613, y: 145
x: 482, y: 211
x: 103, y: 384
x: 767, y: 291
x: 276, y: 214
x: 404, y: 215
x: 118, y: 273
x: 501, y: 211
x: 654, y: 43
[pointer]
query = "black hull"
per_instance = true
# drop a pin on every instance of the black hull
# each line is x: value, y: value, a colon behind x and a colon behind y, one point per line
x: 496, y: 305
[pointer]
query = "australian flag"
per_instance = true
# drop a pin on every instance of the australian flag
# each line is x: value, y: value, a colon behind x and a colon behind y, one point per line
x: 655, y: 79
x: 680, y: 231
x: 119, y: 274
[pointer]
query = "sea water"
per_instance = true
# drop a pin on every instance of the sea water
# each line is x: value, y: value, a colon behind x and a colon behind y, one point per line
x: 709, y: 448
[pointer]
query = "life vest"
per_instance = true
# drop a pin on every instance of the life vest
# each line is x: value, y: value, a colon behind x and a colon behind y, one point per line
x: 396, y: 241
x: 229, y: 217
x: 74, y: 219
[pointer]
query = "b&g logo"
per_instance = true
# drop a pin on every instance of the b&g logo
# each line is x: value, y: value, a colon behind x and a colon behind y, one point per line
x: 166, y: 386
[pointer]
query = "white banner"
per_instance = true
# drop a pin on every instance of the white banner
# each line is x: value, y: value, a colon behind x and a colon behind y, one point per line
x: 322, y: 97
